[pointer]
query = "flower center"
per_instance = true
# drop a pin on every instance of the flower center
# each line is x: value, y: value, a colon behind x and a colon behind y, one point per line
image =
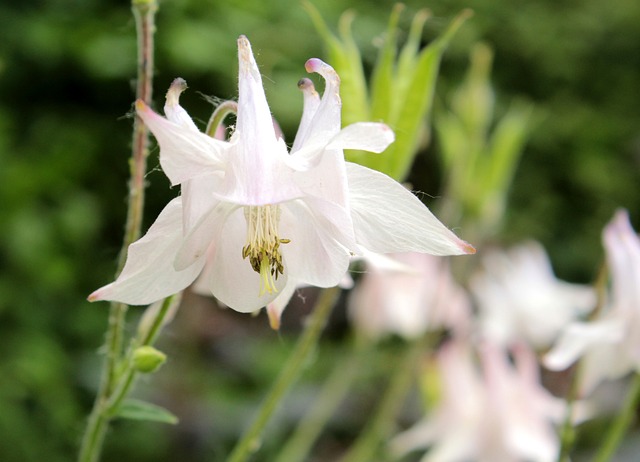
x: 263, y: 244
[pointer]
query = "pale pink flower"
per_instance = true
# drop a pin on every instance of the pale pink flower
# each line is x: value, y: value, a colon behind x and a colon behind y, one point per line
x: 609, y: 345
x: 257, y: 215
x: 499, y: 412
x: 519, y: 297
x: 407, y: 294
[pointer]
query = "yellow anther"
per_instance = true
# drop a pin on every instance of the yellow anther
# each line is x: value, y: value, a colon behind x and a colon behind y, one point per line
x: 263, y: 245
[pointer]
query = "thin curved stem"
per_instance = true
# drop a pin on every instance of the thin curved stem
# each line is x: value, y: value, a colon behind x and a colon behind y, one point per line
x: 621, y: 424
x: 288, y: 375
x: 335, y: 388
x: 380, y: 425
x: 144, y: 12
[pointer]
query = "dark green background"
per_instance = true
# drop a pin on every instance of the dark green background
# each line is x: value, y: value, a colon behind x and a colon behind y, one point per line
x: 66, y: 89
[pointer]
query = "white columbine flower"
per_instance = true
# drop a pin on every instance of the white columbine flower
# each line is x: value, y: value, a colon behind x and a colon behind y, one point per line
x: 501, y: 413
x: 407, y: 294
x: 262, y: 219
x: 519, y: 297
x: 610, y: 345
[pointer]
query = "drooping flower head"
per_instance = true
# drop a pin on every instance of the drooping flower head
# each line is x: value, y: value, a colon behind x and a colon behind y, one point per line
x: 408, y: 294
x: 609, y: 346
x: 253, y: 215
x: 496, y: 412
x: 520, y: 298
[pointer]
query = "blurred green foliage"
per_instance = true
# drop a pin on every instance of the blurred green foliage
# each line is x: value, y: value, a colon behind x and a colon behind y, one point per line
x: 66, y: 70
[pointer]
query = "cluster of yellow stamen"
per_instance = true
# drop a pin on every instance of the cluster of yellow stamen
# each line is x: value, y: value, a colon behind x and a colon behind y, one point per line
x: 263, y: 245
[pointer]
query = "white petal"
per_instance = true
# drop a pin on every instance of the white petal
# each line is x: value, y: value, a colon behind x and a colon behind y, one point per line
x: 277, y: 306
x: 258, y: 174
x: 326, y: 180
x: 148, y: 274
x: 623, y: 255
x: 578, y: 338
x: 233, y: 281
x: 326, y: 118
x: 205, y: 233
x: 184, y: 153
x: 318, y: 253
x: 310, y: 106
x: 198, y: 197
x: 366, y: 136
x: 388, y: 218
x: 172, y: 109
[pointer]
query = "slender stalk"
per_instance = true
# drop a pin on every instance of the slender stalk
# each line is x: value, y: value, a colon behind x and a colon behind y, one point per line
x: 144, y: 12
x: 127, y: 379
x: 621, y: 424
x: 368, y: 444
x: 305, y: 345
x: 568, y: 433
x: 335, y: 388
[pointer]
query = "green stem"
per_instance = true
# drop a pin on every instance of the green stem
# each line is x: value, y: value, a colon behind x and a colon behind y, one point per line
x: 218, y: 116
x: 335, y: 388
x: 127, y: 379
x: 144, y: 12
x: 568, y: 433
x: 380, y: 426
x: 305, y: 345
x: 621, y: 424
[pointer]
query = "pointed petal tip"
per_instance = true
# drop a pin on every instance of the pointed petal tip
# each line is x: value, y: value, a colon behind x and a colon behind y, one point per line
x: 248, y: 65
x: 95, y: 296
x: 274, y: 316
x: 467, y: 248
x: 141, y: 106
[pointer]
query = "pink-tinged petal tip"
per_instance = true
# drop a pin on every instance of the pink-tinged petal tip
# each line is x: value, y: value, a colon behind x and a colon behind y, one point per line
x: 467, y: 248
x: 326, y: 71
x: 141, y: 106
x: 314, y: 65
x: 94, y: 296
x: 274, y: 316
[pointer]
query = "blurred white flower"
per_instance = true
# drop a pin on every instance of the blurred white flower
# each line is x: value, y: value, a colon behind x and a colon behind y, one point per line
x: 407, y: 294
x: 609, y: 345
x: 519, y: 297
x: 256, y: 215
x: 499, y: 413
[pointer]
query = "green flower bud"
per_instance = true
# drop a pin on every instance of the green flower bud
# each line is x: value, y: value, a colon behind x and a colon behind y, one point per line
x: 147, y: 359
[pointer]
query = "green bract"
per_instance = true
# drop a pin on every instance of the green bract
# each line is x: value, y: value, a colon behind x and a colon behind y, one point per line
x: 479, y: 155
x: 401, y: 89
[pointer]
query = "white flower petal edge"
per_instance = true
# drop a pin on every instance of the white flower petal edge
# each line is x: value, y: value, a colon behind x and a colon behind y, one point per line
x: 367, y: 136
x: 388, y: 218
x: 242, y: 200
x: 149, y: 275
x: 578, y: 338
x: 184, y: 153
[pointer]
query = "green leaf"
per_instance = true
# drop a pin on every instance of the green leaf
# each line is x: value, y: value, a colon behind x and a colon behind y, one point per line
x: 382, y: 76
x: 415, y: 112
x: 134, y: 409
x: 344, y: 57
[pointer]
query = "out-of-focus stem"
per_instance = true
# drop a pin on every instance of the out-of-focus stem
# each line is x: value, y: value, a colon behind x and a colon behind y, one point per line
x: 305, y: 345
x: 306, y: 433
x: 144, y: 12
x: 381, y: 424
x: 621, y: 424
